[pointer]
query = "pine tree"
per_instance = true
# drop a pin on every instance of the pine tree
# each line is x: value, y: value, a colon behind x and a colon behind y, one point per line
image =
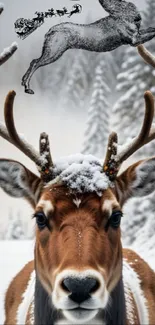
x: 97, y: 129
x: 135, y: 78
x: 16, y: 228
x: 138, y: 226
x: 52, y: 79
x: 77, y: 83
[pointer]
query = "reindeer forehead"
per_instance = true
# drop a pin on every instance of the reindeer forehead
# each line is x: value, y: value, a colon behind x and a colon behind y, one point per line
x: 62, y: 198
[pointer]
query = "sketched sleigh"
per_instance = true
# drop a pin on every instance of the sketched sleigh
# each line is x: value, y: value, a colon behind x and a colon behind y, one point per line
x: 121, y: 27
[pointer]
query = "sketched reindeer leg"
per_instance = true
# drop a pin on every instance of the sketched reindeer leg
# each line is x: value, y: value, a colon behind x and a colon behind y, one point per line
x: 55, y: 44
x: 121, y: 27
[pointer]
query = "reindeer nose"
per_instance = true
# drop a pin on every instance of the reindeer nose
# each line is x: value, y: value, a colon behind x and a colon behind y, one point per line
x: 80, y: 289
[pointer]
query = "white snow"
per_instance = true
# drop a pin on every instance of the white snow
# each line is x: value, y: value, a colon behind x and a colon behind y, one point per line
x: 9, y: 50
x: 83, y: 173
x: 43, y: 141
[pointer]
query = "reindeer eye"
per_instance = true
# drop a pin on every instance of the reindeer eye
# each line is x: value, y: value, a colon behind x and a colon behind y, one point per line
x: 115, y: 219
x: 41, y: 220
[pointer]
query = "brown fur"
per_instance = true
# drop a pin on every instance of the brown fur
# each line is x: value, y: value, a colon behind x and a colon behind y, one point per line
x: 59, y: 246
x: 14, y: 293
x: 147, y: 277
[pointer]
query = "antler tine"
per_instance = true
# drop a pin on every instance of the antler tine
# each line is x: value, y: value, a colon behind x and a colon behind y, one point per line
x: 112, y: 147
x: 145, y: 135
x: 110, y: 166
x: 45, y: 158
x: 146, y: 55
x: 12, y: 135
x: 7, y: 52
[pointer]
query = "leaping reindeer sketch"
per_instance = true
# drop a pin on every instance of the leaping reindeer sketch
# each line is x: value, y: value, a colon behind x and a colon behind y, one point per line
x: 120, y: 27
x: 76, y: 9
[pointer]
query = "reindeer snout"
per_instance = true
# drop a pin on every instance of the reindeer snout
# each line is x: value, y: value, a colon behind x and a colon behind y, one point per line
x: 80, y: 289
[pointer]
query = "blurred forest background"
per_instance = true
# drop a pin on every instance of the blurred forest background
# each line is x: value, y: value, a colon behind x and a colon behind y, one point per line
x: 78, y: 100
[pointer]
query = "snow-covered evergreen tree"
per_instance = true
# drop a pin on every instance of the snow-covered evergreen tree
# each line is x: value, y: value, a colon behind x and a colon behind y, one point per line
x: 53, y: 78
x: 97, y: 129
x: 135, y: 78
x: 16, y: 228
x: 77, y: 81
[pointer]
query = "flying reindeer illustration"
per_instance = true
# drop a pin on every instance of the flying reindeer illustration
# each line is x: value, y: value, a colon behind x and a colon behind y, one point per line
x: 40, y: 17
x: 75, y: 10
x: 121, y: 27
x: 62, y: 12
x: 50, y: 13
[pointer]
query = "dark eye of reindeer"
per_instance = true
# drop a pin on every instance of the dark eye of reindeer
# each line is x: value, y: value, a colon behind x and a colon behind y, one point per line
x: 41, y: 220
x: 115, y: 219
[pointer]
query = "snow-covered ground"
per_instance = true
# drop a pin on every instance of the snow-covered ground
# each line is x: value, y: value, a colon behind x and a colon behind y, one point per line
x: 15, y: 254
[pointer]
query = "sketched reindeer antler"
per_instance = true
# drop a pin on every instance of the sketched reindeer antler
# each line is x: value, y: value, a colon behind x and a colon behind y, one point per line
x: 8, y: 52
x: 121, y: 27
x: 43, y: 159
x: 114, y: 159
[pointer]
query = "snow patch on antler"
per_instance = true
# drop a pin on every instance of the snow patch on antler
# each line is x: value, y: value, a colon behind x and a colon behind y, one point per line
x: 82, y: 173
x: 123, y: 148
x: 7, y: 52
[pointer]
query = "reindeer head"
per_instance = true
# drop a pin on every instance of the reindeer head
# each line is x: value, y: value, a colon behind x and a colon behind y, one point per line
x: 78, y: 209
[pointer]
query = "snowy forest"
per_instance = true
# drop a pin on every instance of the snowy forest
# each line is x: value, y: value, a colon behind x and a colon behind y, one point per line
x: 107, y: 91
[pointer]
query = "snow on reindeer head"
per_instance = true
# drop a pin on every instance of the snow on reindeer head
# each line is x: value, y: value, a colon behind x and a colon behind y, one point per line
x: 77, y: 203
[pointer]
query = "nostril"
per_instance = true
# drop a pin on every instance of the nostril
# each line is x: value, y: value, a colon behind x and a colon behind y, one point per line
x: 64, y: 286
x: 95, y: 286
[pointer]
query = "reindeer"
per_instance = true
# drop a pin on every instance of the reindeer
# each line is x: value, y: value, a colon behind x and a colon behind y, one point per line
x: 40, y: 17
x: 62, y: 12
x: 8, y: 52
x: 121, y: 27
x: 80, y: 273
x: 76, y: 9
x: 50, y: 13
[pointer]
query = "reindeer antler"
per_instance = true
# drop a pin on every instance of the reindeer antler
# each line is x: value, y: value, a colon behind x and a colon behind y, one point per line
x: 43, y: 159
x: 110, y: 166
x: 20, y: 143
x: 46, y: 159
x: 8, y: 52
x: 146, y: 55
x: 147, y: 134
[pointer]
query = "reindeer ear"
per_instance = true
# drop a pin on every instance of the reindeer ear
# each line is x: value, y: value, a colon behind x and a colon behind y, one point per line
x: 17, y: 181
x: 137, y: 181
